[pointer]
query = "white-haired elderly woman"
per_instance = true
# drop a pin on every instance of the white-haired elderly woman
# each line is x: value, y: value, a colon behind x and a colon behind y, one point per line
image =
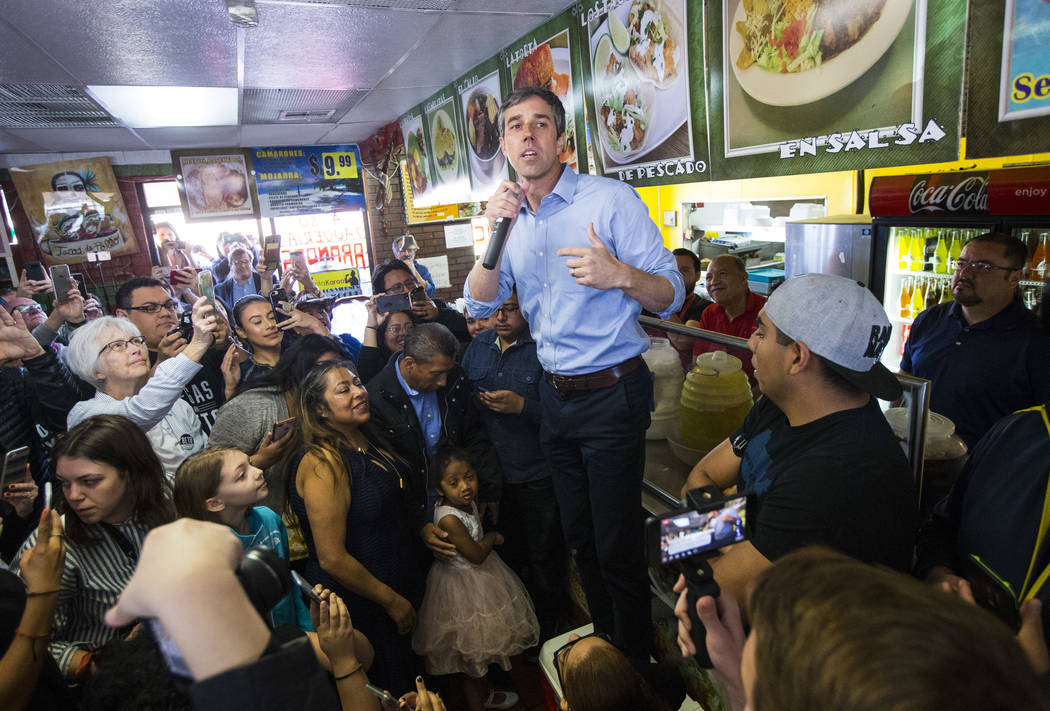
x: 110, y: 353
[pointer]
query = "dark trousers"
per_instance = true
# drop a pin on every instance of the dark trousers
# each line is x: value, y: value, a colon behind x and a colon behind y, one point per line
x: 594, y: 441
x: 534, y: 547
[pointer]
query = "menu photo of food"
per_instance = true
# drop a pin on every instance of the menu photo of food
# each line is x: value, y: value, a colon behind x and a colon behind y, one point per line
x: 416, y: 161
x: 214, y: 185
x: 797, y: 68
x: 488, y: 166
x: 640, y: 83
x: 550, y: 66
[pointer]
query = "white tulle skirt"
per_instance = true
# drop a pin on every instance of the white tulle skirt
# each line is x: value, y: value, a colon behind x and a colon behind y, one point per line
x: 473, y: 616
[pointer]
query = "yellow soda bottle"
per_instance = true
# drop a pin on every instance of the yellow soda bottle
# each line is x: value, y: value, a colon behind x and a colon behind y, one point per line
x: 918, y: 297
x: 903, y: 247
x: 954, y: 249
x: 940, y: 256
x: 905, y: 297
x: 917, y: 250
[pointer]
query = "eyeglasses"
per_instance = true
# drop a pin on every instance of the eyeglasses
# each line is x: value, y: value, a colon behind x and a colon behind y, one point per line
x: 401, y: 287
x: 562, y: 651
x: 121, y: 346
x: 152, y: 308
x: 398, y: 330
x: 29, y: 307
x: 980, y: 267
x: 242, y: 261
x: 506, y: 311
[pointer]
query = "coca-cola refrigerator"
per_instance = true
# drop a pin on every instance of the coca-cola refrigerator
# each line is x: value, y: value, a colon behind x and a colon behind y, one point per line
x: 920, y: 223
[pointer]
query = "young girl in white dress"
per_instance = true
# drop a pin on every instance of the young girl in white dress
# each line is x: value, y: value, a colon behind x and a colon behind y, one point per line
x: 475, y: 611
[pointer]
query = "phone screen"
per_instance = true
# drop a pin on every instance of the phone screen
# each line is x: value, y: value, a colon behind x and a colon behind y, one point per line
x: 207, y: 288
x: 686, y: 533
x: 81, y: 284
x: 14, y: 466
x: 388, y: 303
x: 280, y: 429
x: 992, y: 592
x: 35, y: 271
x: 305, y: 588
x: 272, y: 251
x: 61, y: 281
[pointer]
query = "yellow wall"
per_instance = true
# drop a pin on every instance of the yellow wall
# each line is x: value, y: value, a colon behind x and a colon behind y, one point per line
x: 838, y: 189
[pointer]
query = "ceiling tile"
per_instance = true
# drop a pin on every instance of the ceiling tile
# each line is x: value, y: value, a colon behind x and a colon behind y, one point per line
x: 387, y: 104
x: 14, y: 144
x: 328, y: 46
x: 23, y: 62
x: 353, y: 132
x: 457, y: 44
x: 81, y: 139
x: 283, y: 134
x: 130, y: 42
x: 191, y: 136
x: 543, y: 7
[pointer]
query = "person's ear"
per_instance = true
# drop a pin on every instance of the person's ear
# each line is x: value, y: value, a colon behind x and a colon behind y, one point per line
x: 802, y: 357
x: 121, y: 313
x: 214, y: 504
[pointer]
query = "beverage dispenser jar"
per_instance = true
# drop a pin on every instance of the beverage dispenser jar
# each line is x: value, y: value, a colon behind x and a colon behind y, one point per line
x: 716, y: 398
x: 944, y: 457
x: 663, y: 361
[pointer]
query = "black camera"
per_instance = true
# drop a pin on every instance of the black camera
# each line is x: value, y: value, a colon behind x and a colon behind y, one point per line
x: 265, y: 577
x: 689, y: 537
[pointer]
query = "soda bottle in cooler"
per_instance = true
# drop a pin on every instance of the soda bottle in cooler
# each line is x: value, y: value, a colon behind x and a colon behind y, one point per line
x: 905, y: 332
x: 946, y: 293
x: 940, y: 255
x: 955, y: 249
x: 918, y: 297
x: 1040, y: 257
x: 903, y: 246
x: 933, y: 293
x: 905, y: 299
x: 1026, y: 237
x: 917, y: 250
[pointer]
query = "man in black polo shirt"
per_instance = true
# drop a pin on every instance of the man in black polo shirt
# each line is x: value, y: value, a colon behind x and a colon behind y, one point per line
x: 146, y: 303
x: 985, y: 353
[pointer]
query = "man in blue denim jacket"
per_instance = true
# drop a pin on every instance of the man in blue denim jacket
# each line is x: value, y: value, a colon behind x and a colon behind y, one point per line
x: 505, y: 373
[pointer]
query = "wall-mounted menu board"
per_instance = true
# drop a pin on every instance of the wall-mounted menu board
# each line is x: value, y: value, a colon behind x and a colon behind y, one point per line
x: 644, y: 79
x: 822, y: 85
x: 1008, y: 86
x: 679, y: 91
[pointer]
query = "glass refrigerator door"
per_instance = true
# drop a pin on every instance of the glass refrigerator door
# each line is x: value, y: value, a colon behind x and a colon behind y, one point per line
x: 919, y: 265
x: 1037, y: 239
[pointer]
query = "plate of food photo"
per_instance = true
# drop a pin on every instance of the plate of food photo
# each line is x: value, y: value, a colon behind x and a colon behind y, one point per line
x: 794, y: 52
x: 446, y: 150
x: 640, y: 103
x: 482, y: 134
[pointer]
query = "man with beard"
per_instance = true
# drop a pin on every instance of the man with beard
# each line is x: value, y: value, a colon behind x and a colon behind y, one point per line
x: 984, y: 352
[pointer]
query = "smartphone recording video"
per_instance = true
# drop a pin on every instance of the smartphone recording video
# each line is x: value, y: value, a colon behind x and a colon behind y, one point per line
x: 389, y: 303
x: 683, y: 534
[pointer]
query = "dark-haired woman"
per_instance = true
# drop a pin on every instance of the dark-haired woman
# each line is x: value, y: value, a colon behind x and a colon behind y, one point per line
x: 256, y: 323
x: 384, y: 336
x: 246, y: 422
x: 113, y: 491
x: 347, y: 493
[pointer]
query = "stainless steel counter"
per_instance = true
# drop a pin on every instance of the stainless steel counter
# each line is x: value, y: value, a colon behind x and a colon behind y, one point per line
x: 665, y: 475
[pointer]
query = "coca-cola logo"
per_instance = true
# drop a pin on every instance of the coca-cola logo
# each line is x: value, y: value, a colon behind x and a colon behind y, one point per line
x: 969, y: 194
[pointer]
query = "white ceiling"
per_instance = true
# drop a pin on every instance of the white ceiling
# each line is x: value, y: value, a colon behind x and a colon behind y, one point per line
x: 368, y: 60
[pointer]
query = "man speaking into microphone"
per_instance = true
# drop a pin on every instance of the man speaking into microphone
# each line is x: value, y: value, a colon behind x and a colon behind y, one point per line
x: 586, y: 259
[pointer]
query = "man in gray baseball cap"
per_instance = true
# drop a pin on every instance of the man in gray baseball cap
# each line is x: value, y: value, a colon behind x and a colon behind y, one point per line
x: 816, y: 451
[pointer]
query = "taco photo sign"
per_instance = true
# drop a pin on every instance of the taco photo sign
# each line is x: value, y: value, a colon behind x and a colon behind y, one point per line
x: 75, y: 207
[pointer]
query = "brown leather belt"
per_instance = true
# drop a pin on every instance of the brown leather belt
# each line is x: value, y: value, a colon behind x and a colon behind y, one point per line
x: 593, y: 381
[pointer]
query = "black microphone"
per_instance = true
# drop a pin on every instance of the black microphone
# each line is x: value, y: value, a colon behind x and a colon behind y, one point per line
x: 499, y: 236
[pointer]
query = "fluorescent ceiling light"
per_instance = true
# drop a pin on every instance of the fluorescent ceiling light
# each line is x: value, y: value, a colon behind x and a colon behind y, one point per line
x: 163, y: 106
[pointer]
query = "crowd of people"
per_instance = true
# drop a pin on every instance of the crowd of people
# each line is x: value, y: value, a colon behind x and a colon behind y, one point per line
x: 431, y: 480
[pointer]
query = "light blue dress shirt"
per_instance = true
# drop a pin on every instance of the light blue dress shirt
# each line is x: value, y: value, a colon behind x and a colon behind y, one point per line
x: 426, y: 408
x: 245, y: 289
x: 579, y: 329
